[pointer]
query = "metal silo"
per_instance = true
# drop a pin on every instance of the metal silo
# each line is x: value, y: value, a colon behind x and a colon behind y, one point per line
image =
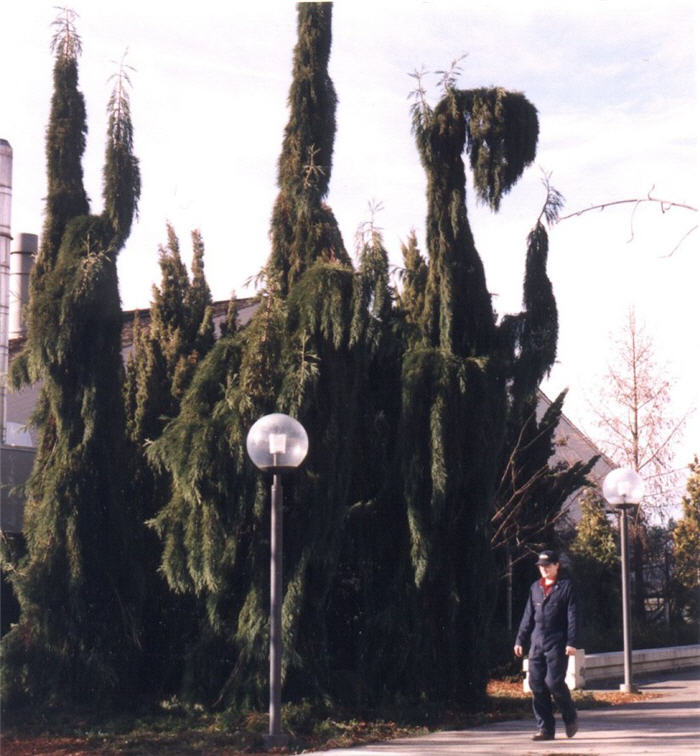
x: 22, y: 255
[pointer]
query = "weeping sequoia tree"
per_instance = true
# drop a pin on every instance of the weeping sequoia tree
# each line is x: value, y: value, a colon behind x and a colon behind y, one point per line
x: 297, y: 355
x: 410, y: 411
x: 425, y: 451
x: 77, y: 633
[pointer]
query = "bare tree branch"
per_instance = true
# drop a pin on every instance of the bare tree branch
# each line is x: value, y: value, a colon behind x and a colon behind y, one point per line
x: 665, y: 206
x: 681, y: 240
x: 632, y: 408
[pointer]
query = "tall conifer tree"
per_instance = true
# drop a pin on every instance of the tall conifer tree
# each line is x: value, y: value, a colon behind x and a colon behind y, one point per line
x: 303, y: 226
x: 166, y: 353
x: 295, y: 356
x: 77, y: 636
x: 467, y: 378
x: 390, y: 514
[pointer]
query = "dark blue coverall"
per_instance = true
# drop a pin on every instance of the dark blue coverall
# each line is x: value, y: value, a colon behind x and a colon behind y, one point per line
x: 550, y: 625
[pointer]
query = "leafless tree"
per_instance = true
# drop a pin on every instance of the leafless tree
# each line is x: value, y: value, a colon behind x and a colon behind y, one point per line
x: 637, y: 427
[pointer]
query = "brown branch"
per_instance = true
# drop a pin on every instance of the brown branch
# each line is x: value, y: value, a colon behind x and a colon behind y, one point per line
x: 675, y: 430
x: 681, y: 240
x: 665, y: 205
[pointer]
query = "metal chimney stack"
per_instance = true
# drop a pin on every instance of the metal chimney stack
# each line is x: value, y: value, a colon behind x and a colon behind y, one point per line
x: 5, y: 239
x: 22, y: 256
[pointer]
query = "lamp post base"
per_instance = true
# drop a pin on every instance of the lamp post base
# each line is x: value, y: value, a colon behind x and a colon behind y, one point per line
x: 625, y: 688
x: 276, y: 741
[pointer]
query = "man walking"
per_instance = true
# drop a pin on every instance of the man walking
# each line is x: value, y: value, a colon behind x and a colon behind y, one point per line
x: 549, y: 624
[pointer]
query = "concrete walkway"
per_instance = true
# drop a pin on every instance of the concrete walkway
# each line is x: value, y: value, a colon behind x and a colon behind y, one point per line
x: 668, y: 725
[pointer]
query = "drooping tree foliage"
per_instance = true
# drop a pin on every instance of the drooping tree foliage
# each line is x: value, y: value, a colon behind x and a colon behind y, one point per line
x: 166, y: 351
x: 65, y: 144
x: 469, y: 384
x: 304, y: 228
x: 410, y: 298
x: 410, y: 410
x: 371, y: 615
x: 78, y: 585
x: 419, y: 405
x: 297, y: 355
x: 179, y: 333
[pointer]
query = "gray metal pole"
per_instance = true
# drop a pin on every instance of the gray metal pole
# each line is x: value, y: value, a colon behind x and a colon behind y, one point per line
x: 276, y: 738
x: 627, y: 687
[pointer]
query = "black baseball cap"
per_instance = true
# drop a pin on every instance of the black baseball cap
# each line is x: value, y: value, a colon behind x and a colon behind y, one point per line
x: 548, y: 556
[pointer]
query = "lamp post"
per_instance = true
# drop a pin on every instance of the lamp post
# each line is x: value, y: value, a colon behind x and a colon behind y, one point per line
x: 624, y: 488
x: 276, y: 443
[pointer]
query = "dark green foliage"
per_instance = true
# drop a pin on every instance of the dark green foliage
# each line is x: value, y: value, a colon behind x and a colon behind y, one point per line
x: 453, y: 414
x: 449, y: 443
x: 686, y: 540
x: 410, y: 411
x: 213, y: 528
x: 77, y: 586
x: 65, y: 144
x: 293, y: 356
x: 179, y: 334
x: 596, y: 571
x: 475, y: 459
x: 535, y: 346
x: 414, y: 278
x: 420, y: 410
x: 371, y: 611
x: 303, y: 227
x: 198, y: 300
x: 229, y: 324
x: 122, y: 178
x: 531, y: 490
x: 160, y: 369
x: 373, y: 303
x: 458, y: 314
x: 316, y: 349
x: 191, y: 532
x: 502, y: 136
x: 595, y: 536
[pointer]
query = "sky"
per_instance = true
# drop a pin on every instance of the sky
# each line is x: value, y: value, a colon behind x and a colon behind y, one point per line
x: 615, y: 85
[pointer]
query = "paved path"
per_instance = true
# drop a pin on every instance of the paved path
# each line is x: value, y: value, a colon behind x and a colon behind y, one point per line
x: 669, y: 725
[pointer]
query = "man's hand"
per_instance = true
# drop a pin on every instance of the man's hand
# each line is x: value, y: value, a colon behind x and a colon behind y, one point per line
x: 570, y: 651
x: 518, y: 650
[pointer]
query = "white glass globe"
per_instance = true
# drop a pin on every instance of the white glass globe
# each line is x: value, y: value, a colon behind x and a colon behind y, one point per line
x: 623, y: 486
x: 277, y: 442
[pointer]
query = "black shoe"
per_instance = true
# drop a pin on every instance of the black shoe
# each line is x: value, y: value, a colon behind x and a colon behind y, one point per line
x: 542, y: 735
x: 571, y: 728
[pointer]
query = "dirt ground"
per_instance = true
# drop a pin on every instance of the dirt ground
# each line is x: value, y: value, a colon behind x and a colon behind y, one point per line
x: 215, y: 743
